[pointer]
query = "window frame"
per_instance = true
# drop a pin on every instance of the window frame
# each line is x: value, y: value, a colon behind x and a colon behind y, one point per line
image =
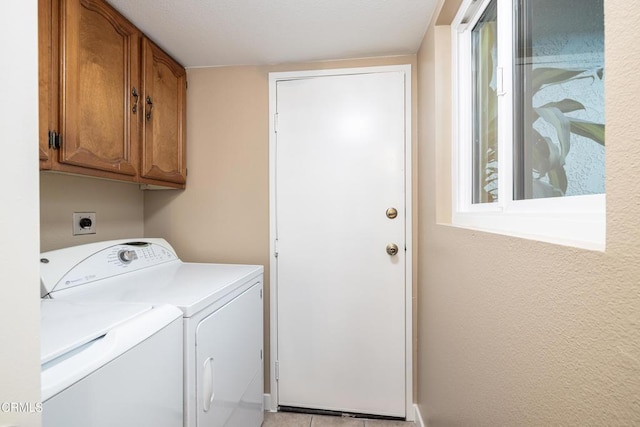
x: 578, y: 221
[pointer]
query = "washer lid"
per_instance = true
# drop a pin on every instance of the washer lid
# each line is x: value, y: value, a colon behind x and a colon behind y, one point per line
x: 66, y: 325
x: 80, y: 338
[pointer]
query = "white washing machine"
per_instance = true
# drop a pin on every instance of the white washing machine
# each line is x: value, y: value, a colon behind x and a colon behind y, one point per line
x: 111, y: 364
x: 222, y: 311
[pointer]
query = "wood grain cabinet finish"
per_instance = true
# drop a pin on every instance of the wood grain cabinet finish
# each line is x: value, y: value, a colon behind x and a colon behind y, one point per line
x: 99, y: 72
x: 44, y: 81
x: 163, y: 133
x: 47, y: 78
x: 96, y: 71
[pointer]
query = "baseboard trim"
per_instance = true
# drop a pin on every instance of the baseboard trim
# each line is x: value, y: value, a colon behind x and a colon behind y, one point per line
x: 419, y: 420
x: 266, y: 400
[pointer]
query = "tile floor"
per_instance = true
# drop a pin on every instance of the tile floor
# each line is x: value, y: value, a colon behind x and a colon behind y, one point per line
x: 288, y: 419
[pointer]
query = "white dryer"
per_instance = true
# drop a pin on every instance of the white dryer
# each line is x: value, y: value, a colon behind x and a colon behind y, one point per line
x: 222, y: 311
x: 111, y: 364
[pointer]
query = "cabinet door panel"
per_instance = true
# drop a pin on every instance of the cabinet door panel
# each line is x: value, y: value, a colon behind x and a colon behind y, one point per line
x: 47, y: 77
x: 100, y: 69
x: 164, y: 134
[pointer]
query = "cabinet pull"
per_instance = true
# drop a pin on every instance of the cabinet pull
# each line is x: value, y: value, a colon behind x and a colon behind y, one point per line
x: 134, y: 93
x: 150, y: 103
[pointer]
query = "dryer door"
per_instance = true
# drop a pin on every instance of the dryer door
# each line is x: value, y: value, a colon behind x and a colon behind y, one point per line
x: 229, y: 373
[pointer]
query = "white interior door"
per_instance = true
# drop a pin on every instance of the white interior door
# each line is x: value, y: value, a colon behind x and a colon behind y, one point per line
x: 340, y: 164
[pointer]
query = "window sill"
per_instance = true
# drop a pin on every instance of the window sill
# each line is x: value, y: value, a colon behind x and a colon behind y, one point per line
x: 585, y: 229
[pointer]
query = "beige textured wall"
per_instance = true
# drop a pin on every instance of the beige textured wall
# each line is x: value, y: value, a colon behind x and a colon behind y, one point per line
x: 118, y: 207
x: 223, y: 215
x: 516, y: 332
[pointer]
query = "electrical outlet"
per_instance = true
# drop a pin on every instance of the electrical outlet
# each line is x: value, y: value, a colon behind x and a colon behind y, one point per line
x: 84, y: 223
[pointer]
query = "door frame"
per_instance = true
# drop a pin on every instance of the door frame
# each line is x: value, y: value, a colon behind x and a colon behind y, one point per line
x: 271, y: 401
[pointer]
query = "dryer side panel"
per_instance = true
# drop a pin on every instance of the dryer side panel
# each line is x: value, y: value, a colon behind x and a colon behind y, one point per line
x: 229, y: 368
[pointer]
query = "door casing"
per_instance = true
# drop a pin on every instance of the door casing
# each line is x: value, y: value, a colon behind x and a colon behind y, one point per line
x: 271, y: 401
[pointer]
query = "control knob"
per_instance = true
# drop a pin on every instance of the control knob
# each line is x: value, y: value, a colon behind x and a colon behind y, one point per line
x: 127, y: 256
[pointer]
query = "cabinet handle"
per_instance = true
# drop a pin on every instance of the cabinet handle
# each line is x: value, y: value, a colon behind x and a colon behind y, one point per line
x: 150, y: 103
x: 134, y: 93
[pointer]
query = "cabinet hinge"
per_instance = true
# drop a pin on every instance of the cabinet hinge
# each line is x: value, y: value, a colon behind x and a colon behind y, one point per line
x: 260, y: 354
x: 55, y: 140
x: 277, y: 371
x: 275, y: 122
x: 275, y: 248
x: 260, y: 293
x: 186, y: 84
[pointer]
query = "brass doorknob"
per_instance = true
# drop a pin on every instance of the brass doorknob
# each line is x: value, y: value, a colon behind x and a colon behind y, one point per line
x: 392, y: 249
x: 392, y: 213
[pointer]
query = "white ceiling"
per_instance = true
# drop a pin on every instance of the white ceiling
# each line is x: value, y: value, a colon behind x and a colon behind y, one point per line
x: 200, y: 33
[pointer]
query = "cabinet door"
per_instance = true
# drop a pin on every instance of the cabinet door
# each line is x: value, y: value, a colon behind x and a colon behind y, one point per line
x: 100, y: 77
x: 164, y: 133
x: 47, y: 77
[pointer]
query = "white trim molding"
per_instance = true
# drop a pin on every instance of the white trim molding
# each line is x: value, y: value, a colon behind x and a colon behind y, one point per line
x: 267, y: 405
x: 419, y: 419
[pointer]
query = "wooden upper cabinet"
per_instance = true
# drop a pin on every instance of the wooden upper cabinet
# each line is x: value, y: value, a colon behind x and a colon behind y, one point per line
x: 112, y: 104
x: 47, y: 78
x: 163, y: 132
x: 99, y: 115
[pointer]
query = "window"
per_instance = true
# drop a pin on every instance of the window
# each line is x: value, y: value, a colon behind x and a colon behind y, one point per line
x: 529, y: 134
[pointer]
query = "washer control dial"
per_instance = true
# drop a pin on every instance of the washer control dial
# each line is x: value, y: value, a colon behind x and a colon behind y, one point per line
x: 127, y: 256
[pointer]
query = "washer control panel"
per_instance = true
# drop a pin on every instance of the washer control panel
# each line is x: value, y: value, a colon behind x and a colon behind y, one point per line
x: 115, y: 260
